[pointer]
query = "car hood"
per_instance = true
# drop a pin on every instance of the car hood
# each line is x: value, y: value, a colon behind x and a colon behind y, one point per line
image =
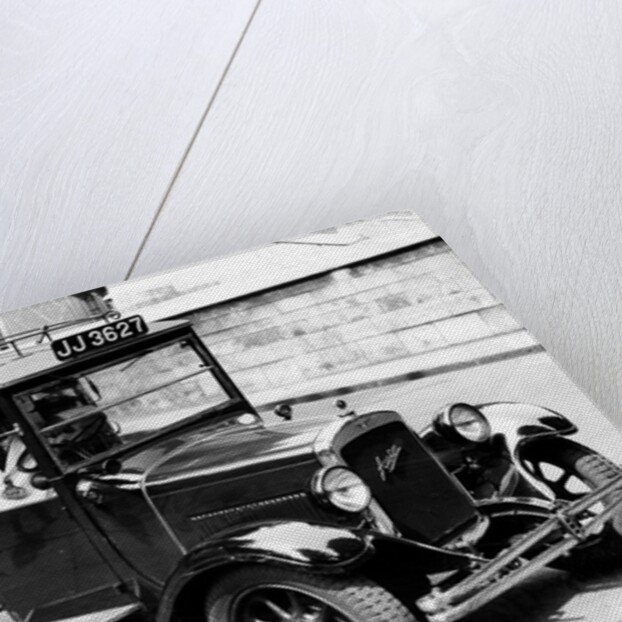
x: 206, y: 480
x: 152, y: 509
x: 209, y: 454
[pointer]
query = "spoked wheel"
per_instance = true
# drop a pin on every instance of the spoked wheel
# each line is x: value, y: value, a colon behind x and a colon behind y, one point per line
x: 568, y: 469
x: 571, y: 470
x: 269, y: 594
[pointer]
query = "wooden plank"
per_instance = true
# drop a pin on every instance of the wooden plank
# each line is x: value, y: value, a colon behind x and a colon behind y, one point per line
x: 98, y: 103
x: 499, y: 123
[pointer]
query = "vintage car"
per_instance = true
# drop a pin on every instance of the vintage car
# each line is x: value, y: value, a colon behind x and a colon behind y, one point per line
x: 139, y: 481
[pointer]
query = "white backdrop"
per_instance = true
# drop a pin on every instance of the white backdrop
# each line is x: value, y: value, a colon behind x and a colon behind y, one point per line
x: 139, y: 136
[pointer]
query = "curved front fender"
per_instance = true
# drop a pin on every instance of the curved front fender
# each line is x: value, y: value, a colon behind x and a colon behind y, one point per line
x: 316, y: 548
x: 291, y: 542
x: 519, y: 424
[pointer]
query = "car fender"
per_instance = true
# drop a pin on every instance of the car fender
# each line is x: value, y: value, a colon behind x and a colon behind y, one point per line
x: 520, y: 424
x: 314, y: 548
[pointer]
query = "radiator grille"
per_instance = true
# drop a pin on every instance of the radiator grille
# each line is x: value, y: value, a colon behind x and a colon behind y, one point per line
x: 421, y: 499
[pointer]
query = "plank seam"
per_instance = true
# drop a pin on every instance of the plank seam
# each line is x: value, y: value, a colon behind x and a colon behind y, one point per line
x: 193, y: 138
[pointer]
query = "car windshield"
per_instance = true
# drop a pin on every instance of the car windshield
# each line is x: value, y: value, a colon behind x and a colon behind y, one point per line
x: 85, y: 414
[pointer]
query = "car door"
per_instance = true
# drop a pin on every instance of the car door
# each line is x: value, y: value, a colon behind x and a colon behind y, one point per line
x: 45, y: 556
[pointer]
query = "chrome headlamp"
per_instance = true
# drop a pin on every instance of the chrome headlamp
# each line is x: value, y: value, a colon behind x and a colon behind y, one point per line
x: 342, y: 489
x: 464, y: 422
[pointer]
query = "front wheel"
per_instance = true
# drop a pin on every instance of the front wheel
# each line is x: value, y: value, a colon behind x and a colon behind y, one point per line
x: 571, y: 470
x: 270, y: 594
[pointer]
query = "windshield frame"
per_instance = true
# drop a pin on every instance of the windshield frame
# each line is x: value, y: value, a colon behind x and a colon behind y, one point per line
x: 44, y: 453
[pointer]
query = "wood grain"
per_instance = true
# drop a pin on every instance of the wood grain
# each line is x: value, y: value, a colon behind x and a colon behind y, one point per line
x: 98, y: 102
x: 499, y: 122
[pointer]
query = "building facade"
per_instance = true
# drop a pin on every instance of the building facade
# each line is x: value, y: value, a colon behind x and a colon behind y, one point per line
x: 415, y: 307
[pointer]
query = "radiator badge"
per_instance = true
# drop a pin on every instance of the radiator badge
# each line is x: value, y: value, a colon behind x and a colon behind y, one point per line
x: 386, y: 465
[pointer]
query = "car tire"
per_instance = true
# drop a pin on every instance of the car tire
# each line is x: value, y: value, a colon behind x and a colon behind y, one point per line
x: 272, y: 593
x: 594, y: 470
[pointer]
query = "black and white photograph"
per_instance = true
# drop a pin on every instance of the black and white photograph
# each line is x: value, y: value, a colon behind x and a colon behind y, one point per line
x: 310, y: 311
x: 342, y: 427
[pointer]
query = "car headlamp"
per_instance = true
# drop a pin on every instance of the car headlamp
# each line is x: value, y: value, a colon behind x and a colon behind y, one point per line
x: 466, y: 422
x: 342, y: 489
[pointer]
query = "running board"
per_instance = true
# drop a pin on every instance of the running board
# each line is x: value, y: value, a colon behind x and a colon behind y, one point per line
x: 115, y: 614
x: 509, y: 568
x: 110, y: 603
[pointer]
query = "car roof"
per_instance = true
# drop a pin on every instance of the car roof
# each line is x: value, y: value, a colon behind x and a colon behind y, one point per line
x: 39, y: 358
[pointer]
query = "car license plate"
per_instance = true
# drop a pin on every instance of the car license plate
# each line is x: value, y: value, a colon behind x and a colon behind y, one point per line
x: 97, y: 338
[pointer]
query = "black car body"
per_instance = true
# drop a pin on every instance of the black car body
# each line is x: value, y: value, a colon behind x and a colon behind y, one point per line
x: 524, y: 450
x: 138, y: 478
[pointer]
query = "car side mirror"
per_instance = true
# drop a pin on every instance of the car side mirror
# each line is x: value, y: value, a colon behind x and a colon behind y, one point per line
x: 112, y: 466
x: 40, y: 482
x: 284, y: 411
